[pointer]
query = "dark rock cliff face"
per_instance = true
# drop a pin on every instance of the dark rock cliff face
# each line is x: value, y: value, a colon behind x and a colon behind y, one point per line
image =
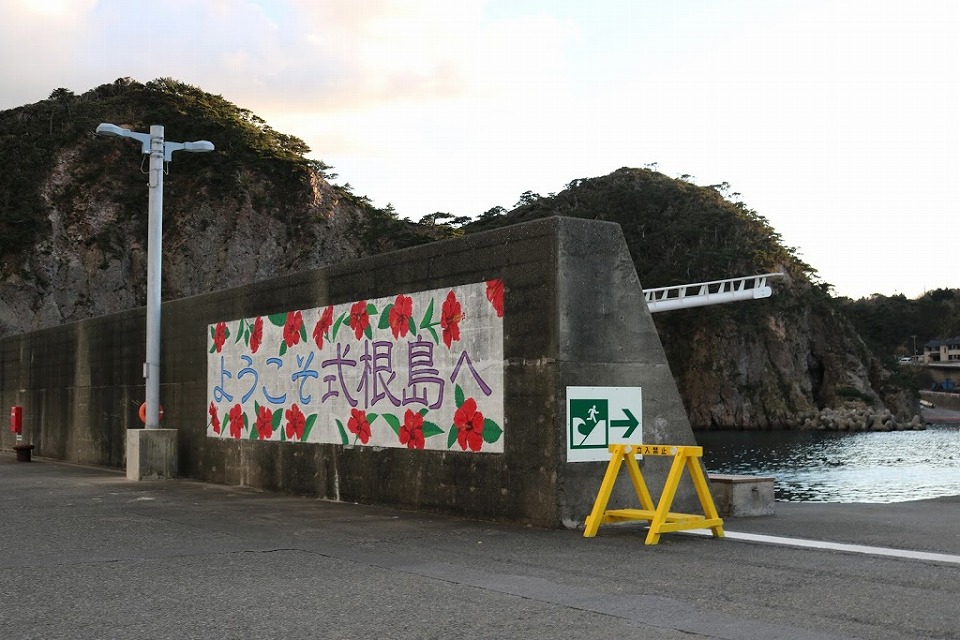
x: 73, y: 220
x: 772, y: 364
x: 93, y: 260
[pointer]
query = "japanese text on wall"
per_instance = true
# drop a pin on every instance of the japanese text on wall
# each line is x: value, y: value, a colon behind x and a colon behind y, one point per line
x: 422, y: 370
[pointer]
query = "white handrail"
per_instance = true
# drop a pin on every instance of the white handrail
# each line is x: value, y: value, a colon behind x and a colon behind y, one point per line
x: 701, y: 294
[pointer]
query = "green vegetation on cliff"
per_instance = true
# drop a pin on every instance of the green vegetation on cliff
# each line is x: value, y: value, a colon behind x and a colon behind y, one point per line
x: 894, y: 325
x: 677, y: 232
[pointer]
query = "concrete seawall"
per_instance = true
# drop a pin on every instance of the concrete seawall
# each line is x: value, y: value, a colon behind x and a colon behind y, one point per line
x: 574, y: 315
x: 949, y: 401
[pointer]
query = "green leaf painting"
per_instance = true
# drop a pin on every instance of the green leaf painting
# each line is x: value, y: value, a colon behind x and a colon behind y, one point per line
x: 451, y: 436
x: 308, y: 427
x: 336, y: 325
x: 393, y: 421
x: 491, y: 431
x: 431, y: 429
x: 427, y: 316
x: 385, y: 317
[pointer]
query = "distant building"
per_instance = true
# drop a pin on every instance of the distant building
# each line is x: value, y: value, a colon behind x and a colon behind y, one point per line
x: 942, y: 350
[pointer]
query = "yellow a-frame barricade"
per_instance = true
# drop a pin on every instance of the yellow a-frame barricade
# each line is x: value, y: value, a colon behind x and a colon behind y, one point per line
x: 662, y: 520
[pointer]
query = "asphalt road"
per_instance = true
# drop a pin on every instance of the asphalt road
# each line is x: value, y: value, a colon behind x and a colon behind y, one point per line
x: 88, y: 554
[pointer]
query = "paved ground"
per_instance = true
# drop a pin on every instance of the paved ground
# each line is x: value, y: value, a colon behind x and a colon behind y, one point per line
x: 87, y: 554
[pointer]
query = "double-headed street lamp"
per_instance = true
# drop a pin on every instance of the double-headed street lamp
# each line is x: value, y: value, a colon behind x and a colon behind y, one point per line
x: 160, y: 151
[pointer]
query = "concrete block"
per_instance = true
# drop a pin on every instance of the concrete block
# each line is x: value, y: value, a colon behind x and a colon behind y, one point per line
x: 151, y: 454
x: 742, y: 496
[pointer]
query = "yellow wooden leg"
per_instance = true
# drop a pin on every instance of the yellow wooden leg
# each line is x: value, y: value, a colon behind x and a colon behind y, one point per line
x: 606, y: 488
x: 633, y: 468
x: 666, y: 499
x: 703, y: 491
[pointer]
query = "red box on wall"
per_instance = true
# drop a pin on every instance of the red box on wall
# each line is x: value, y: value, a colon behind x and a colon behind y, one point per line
x: 16, y: 419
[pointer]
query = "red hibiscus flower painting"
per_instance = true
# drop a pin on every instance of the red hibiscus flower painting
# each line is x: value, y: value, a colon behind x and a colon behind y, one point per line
x: 296, y: 422
x: 220, y: 335
x: 236, y: 421
x: 411, y: 432
x: 214, y: 418
x: 400, y: 314
x: 323, y: 326
x: 256, y: 335
x: 291, y: 330
x: 450, y: 317
x: 359, y: 318
x: 495, y: 295
x: 358, y: 424
x: 469, y: 423
x: 264, y: 423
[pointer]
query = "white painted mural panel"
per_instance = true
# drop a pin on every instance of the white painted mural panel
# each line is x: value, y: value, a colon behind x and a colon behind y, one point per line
x: 422, y: 370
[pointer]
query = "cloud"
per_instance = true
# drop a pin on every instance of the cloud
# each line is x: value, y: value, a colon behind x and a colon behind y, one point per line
x: 38, y: 40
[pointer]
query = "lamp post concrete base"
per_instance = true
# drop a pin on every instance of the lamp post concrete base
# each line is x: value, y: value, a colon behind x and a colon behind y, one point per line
x: 151, y: 454
x: 23, y: 452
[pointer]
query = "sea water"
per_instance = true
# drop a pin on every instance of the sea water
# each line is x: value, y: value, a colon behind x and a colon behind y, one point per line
x: 827, y: 466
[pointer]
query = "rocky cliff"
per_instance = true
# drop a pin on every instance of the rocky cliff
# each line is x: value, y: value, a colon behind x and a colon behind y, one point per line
x: 73, y: 245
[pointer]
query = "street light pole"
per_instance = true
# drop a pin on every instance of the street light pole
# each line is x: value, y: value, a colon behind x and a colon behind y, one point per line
x: 151, y: 368
x: 160, y: 151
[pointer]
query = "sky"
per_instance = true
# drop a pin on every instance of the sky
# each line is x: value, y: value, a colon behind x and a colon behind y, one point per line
x: 837, y: 120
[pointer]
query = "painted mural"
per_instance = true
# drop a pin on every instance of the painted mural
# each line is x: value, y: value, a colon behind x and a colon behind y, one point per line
x: 422, y: 370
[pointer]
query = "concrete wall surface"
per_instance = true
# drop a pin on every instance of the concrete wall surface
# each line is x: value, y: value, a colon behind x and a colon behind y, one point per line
x: 574, y: 315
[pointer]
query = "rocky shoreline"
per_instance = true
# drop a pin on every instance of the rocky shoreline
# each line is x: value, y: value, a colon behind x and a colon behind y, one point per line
x: 865, y: 420
x: 855, y: 419
x: 860, y: 420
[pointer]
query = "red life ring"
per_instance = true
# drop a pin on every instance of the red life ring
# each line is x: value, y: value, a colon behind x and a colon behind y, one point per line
x: 143, y: 413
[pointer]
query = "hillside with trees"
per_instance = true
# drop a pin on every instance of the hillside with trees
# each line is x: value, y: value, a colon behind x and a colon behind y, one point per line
x: 895, y: 326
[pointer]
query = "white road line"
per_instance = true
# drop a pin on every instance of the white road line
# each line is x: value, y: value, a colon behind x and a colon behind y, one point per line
x: 836, y: 546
